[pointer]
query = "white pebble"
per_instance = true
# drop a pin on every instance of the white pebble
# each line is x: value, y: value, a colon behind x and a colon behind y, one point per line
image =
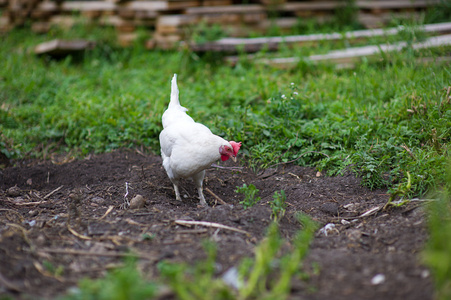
x: 378, y: 279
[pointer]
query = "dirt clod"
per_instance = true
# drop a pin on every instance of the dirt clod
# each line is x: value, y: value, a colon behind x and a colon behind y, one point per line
x: 137, y: 202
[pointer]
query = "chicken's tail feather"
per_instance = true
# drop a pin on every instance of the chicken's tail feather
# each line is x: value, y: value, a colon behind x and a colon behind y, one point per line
x: 174, y: 92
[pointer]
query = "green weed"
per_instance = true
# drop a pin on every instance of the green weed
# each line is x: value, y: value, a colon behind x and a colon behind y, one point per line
x: 250, y: 195
x: 122, y: 283
x: 278, y: 205
x: 269, y: 275
x: 196, y: 282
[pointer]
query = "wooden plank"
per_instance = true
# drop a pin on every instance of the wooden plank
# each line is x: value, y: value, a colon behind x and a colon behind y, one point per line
x: 216, y: 2
x: 88, y: 6
x: 63, y: 47
x: 351, y: 55
x: 172, y: 24
x: 160, y: 5
x: 311, y: 6
x: 272, y: 43
x: 235, y: 9
x: 399, y: 4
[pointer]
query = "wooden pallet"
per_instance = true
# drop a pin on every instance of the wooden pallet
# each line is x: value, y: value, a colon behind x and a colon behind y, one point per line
x: 172, y: 21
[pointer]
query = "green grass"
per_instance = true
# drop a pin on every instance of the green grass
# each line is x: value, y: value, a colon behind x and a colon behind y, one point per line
x: 382, y: 119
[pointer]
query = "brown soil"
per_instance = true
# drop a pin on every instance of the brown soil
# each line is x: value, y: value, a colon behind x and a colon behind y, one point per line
x: 34, y: 232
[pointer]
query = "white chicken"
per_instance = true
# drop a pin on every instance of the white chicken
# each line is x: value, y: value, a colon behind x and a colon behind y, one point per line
x: 188, y: 148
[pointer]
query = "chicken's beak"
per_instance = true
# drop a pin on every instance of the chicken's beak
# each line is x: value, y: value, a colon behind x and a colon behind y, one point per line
x: 233, y: 158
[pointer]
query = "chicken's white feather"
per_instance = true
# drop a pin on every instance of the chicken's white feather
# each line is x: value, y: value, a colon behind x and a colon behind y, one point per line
x: 187, y: 147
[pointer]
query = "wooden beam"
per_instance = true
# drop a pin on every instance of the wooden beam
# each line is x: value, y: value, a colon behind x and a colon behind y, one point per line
x: 250, y: 45
x: 352, y: 55
x: 63, y: 47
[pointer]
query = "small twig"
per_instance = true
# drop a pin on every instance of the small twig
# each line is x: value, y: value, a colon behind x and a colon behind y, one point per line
x: 216, y: 197
x: 46, y: 273
x: 292, y: 174
x: 77, y: 234
x: 28, y: 203
x: 89, y: 253
x: 209, y: 224
x: 227, y: 168
x: 110, y: 208
x: 370, y: 212
x: 131, y: 222
x: 52, y: 192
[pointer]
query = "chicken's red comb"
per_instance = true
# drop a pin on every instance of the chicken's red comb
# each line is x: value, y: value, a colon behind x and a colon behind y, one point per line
x: 236, y: 146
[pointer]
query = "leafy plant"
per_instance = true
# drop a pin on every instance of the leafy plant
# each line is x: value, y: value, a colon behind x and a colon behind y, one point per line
x: 198, y: 281
x: 278, y: 205
x: 250, y: 195
x: 268, y: 275
x: 122, y: 283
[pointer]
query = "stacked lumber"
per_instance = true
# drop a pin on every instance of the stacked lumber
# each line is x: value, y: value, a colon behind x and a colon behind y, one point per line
x: 172, y: 21
x: 348, y: 57
x: 251, y: 45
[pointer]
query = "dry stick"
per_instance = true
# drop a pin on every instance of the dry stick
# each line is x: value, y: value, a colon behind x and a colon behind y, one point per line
x: 216, y: 197
x: 89, y: 253
x: 77, y: 234
x: 210, y: 224
x: 28, y: 203
x: 238, y: 169
x: 46, y: 273
x: 52, y: 192
x: 110, y: 208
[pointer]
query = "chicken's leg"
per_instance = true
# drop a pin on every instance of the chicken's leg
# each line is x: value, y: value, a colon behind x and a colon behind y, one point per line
x: 177, y: 192
x: 198, y: 181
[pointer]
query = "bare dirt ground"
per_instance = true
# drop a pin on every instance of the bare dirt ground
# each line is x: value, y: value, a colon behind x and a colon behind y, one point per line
x: 35, y: 236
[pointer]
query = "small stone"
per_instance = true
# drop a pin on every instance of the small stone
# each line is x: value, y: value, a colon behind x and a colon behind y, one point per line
x: 378, y: 279
x: 13, y: 191
x: 33, y: 213
x: 98, y: 200
x: 137, y: 202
